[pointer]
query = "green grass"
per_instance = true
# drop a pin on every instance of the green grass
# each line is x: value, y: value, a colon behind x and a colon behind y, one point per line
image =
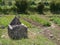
x: 5, y: 20
x: 38, y: 19
x: 56, y: 20
x: 39, y: 40
x: 27, y: 23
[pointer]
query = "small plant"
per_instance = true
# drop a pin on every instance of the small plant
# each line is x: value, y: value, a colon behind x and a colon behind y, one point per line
x: 56, y: 20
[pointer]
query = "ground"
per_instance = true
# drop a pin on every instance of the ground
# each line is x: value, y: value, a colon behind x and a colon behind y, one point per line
x: 39, y: 31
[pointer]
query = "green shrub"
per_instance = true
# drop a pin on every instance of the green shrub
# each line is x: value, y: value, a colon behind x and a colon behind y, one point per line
x: 5, y: 9
x: 0, y: 9
x: 21, y: 6
x: 33, y: 3
x: 47, y: 24
x: 32, y: 8
x: 58, y: 6
x: 40, y: 8
x: 55, y: 7
x: 9, y: 3
x: 2, y: 3
x: 52, y: 6
x: 0, y: 0
x: 13, y: 8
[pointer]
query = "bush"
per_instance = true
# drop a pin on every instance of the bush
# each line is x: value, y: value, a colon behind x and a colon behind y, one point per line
x: 2, y: 3
x: 21, y: 6
x: 40, y: 8
x: 5, y: 9
x: 33, y: 3
x: 0, y: 9
x: 47, y: 24
x: 55, y: 7
x: 9, y: 3
x: 58, y: 6
x: 13, y: 8
x: 32, y: 8
x: 46, y: 3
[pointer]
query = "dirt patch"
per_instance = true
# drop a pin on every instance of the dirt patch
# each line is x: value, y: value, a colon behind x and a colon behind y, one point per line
x: 5, y: 36
x: 31, y: 35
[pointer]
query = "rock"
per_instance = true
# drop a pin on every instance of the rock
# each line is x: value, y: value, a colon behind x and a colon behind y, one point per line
x: 15, y: 21
x: 16, y: 30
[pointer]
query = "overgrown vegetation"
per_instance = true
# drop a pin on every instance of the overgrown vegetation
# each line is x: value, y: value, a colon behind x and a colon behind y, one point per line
x: 24, y: 6
x: 38, y: 19
x: 35, y: 33
x: 55, y: 7
x: 37, y: 39
x: 40, y: 8
x: 56, y: 20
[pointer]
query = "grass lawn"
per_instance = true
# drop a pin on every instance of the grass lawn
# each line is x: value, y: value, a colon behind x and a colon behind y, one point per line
x: 34, y: 37
x: 5, y: 20
x: 37, y: 39
x: 38, y: 19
